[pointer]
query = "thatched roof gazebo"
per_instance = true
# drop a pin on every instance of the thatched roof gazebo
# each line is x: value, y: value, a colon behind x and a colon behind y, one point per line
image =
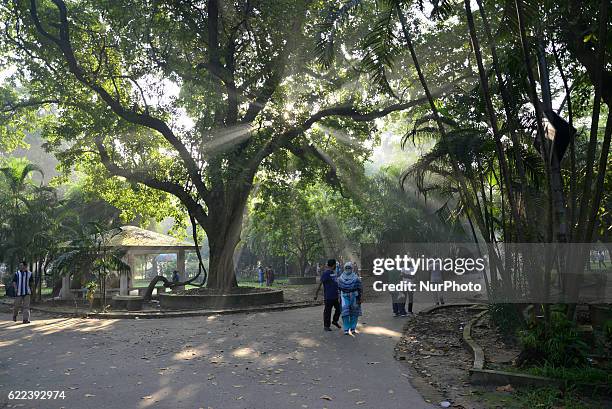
x: 136, y: 242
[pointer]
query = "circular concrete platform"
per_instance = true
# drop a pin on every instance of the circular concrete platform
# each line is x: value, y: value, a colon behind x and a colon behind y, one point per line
x: 240, y: 297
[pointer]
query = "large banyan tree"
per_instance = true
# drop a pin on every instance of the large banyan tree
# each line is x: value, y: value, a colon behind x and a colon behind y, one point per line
x: 186, y: 97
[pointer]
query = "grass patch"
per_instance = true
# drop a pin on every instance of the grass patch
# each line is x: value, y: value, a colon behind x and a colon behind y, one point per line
x: 578, y: 375
x: 541, y: 398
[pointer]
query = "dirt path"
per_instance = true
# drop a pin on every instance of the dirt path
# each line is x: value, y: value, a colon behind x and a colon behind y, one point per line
x: 264, y: 360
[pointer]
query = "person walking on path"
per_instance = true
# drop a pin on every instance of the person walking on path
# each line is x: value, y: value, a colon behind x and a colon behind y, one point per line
x: 398, y: 298
x: 271, y: 275
x: 23, y: 281
x: 351, y: 290
x: 267, y: 274
x: 330, y: 295
x: 601, y: 258
x: 437, y: 277
x: 260, y: 274
x: 407, y: 277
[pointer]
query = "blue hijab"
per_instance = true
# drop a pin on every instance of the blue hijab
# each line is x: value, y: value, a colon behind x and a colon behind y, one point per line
x: 349, y: 284
x: 349, y: 281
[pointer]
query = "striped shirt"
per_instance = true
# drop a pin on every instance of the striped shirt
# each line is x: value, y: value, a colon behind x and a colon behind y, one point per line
x: 22, y: 280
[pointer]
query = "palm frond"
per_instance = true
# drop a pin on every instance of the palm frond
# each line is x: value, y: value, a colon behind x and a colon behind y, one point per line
x: 326, y: 31
x: 380, y: 48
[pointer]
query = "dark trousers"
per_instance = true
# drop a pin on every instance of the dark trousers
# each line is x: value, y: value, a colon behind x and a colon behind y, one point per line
x: 399, y: 308
x: 399, y: 302
x: 327, y: 312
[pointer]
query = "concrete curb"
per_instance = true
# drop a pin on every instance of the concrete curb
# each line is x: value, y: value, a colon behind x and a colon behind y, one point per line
x: 481, y: 376
x: 433, y: 308
x: 171, y: 314
x: 489, y: 377
x: 471, y: 345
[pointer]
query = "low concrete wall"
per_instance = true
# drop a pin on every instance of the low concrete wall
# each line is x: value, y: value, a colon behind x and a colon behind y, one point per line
x: 191, y: 302
x: 491, y: 377
x: 471, y: 345
x: 301, y: 280
x: 128, y: 302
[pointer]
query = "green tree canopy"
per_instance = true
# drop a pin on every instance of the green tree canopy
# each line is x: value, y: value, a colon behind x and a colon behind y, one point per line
x: 187, y: 98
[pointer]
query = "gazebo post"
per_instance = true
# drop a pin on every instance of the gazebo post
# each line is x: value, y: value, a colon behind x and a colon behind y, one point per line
x: 180, y: 266
x: 124, y: 276
x: 66, y: 293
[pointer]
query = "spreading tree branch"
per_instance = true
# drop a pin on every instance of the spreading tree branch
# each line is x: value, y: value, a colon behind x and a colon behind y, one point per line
x: 144, y: 119
x: 192, y: 205
x: 346, y: 111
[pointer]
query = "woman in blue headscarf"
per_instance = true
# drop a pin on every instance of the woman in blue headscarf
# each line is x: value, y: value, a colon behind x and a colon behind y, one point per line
x: 350, y: 288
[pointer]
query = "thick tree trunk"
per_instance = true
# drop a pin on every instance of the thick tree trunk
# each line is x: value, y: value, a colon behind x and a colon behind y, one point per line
x: 223, y: 236
x: 221, y: 273
x: 303, y: 265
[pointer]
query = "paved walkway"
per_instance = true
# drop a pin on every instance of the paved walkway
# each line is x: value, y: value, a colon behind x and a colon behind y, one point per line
x: 262, y: 360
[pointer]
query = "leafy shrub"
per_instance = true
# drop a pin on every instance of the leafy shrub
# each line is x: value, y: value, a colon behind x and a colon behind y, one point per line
x: 506, y: 317
x: 559, y: 344
x: 7, y: 280
x: 584, y: 375
x: 607, y: 330
x: 91, y: 286
x: 552, y: 398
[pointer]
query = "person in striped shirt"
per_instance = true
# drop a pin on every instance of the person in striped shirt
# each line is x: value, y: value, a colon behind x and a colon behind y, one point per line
x: 23, y: 281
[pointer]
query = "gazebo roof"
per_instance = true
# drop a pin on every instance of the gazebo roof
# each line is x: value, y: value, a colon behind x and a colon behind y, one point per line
x: 136, y: 238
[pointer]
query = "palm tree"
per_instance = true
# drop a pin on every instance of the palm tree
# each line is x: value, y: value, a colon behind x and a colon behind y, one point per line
x: 89, y: 252
x: 17, y: 192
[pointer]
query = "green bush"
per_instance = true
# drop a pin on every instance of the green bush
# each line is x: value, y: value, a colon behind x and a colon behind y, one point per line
x: 584, y: 375
x: 553, y: 398
x: 607, y: 330
x: 7, y: 279
x: 506, y: 317
x: 559, y: 344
